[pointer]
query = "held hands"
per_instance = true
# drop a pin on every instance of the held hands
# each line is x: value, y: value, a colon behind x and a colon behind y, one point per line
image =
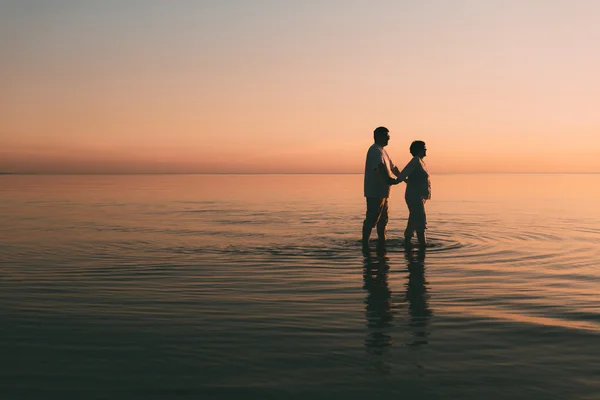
x: 392, y: 181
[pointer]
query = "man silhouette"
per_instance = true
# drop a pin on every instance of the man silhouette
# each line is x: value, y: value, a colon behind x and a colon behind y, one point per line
x: 378, y: 179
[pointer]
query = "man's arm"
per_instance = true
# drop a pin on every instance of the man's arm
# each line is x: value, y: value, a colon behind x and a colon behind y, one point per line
x: 385, y: 175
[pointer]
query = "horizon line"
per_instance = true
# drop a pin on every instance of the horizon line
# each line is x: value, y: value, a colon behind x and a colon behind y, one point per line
x: 291, y: 173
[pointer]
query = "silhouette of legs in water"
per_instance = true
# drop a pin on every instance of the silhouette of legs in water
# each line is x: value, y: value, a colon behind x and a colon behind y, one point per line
x: 408, y: 234
x: 417, y: 221
x: 378, y: 301
x: 417, y: 297
x: 377, y: 215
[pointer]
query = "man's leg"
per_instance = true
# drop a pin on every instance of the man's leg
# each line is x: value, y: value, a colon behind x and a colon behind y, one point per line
x: 383, y: 220
x: 366, y: 233
x: 371, y: 219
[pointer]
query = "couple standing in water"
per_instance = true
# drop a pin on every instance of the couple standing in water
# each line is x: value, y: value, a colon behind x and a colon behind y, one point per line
x: 380, y: 175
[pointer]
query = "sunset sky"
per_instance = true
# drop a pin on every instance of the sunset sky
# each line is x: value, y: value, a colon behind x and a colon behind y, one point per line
x: 246, y: 86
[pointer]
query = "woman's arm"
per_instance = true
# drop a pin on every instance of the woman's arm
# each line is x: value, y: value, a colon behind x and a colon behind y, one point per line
x: 407, y: 170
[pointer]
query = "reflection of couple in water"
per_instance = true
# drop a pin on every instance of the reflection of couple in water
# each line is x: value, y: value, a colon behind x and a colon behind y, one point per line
x: 379, y: 177
x: 378, y: 302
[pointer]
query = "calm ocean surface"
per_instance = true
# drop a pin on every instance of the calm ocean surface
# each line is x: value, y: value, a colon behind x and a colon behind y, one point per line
x: 255, y: 286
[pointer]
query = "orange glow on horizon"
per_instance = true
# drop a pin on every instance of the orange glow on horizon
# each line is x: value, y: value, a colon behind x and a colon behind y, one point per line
x: 490, y: 88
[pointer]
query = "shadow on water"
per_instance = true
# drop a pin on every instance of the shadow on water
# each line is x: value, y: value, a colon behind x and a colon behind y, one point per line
x: 378, y: 303
x: 379, y: 310
x: 417, y: 297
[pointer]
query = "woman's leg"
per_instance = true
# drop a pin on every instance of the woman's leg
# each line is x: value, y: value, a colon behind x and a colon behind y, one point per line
x: 421, y: 237
x: 408, y: 232
x: 417, y: 221
x: 422, y: 225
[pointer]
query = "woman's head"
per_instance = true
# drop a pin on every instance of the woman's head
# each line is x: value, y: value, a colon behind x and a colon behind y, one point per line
x: 418, y: 149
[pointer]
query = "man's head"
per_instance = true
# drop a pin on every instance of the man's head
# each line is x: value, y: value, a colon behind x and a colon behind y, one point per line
x: 381, y: 136
x: 418, y: 149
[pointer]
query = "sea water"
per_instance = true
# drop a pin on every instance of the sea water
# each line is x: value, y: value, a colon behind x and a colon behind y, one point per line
x: 255, y: 286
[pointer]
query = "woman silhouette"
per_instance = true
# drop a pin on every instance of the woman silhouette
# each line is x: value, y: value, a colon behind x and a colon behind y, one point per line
x: 418, y: 191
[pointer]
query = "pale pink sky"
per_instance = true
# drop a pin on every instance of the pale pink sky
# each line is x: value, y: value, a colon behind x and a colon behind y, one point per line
x: 288, y: 86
